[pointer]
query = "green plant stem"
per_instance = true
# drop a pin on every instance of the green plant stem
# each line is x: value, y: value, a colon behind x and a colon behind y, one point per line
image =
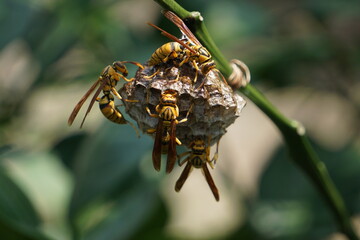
x: 293, y: 132
x: 306, y: 158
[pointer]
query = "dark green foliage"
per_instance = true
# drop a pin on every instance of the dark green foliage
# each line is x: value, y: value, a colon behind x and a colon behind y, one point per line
x: 113, y: 190
x: 18, y: 218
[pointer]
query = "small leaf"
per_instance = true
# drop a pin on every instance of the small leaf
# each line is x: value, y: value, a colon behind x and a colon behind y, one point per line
x: 106, y: 163
x: 67, y: 147
x: 154, y: 226
x: 18, y: 219
x: 14, y: 204
x: 127, y: 215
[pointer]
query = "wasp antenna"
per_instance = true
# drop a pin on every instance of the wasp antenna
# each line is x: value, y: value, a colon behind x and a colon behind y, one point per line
x: 135, y: 63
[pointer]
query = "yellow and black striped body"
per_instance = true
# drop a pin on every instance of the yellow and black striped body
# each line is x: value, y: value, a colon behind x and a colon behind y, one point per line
x: 166, y: 52
x: 203, y: 58
x: 106, y: 84
x: 165, y: 142
x: 168, y: 115
x: 197, y: 157
x: 109, y: 110
x: 199, y: 154
x: 186, y: 50
x: 206, y: 63
x: 174, y: 50
x: 168, y: 112
x: 111, y: 76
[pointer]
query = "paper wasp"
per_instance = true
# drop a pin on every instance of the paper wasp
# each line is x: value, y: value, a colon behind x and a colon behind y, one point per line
x: 199, y: 157
x: 108, y: 79
x: 165, y: 139
x: 186, y: 50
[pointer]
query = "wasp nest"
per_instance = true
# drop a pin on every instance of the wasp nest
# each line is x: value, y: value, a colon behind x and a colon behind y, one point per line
x: 210, y: 103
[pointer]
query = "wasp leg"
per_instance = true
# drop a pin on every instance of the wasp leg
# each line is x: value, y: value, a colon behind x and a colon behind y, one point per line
x: 151, y: 130
x: 211, y: 163
x: 180, y: 163
x: 117, y: 77
x: 216, y: 155
x: 187, y: 114
x: 151, y: 114
x: 134, y: 127
x: 182, y: 120
x: 176, y: 79
x: 197, y: 70
x: 222, y: 76
x: 186, y: 58
x: 116, y: 93
x: 207, y: 152
x: 201, y: 85
x: 152, y: 75
x: 131, y: 100
x: 126, y: 79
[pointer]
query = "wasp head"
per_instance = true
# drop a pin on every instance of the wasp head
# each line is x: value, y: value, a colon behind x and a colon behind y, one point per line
x: 207, y: 66
x: 120, y: 67
x: 204, y: 54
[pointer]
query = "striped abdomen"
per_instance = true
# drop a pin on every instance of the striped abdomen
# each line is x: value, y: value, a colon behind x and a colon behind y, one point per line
x: 167, y: 51
x: 110, y: 111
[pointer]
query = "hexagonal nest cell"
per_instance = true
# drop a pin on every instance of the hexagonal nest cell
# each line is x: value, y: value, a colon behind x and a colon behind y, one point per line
x: 214, y: 105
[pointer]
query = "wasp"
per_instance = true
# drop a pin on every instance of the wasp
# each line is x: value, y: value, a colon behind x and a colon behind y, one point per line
x: 108, y: 79
x: 186, y: 50
x: 165, y: 142
x: 199, y: 157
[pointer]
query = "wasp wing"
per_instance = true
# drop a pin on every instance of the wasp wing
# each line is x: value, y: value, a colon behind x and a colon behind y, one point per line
x: 156, y: 154
x: 210, y: 181
x: 81, y: 102
x: 172, y: 37
x: 184, y: 175
x: 91, y: 104
x: 182, y: 26
x: 171, y: 157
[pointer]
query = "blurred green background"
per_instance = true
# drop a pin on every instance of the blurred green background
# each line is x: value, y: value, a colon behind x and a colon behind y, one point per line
x: 59, y: 182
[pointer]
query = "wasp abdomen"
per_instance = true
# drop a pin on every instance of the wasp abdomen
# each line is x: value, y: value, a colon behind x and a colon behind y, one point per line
x: 197, y: 162
x: 110, y: 111
x: 167, y: 51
